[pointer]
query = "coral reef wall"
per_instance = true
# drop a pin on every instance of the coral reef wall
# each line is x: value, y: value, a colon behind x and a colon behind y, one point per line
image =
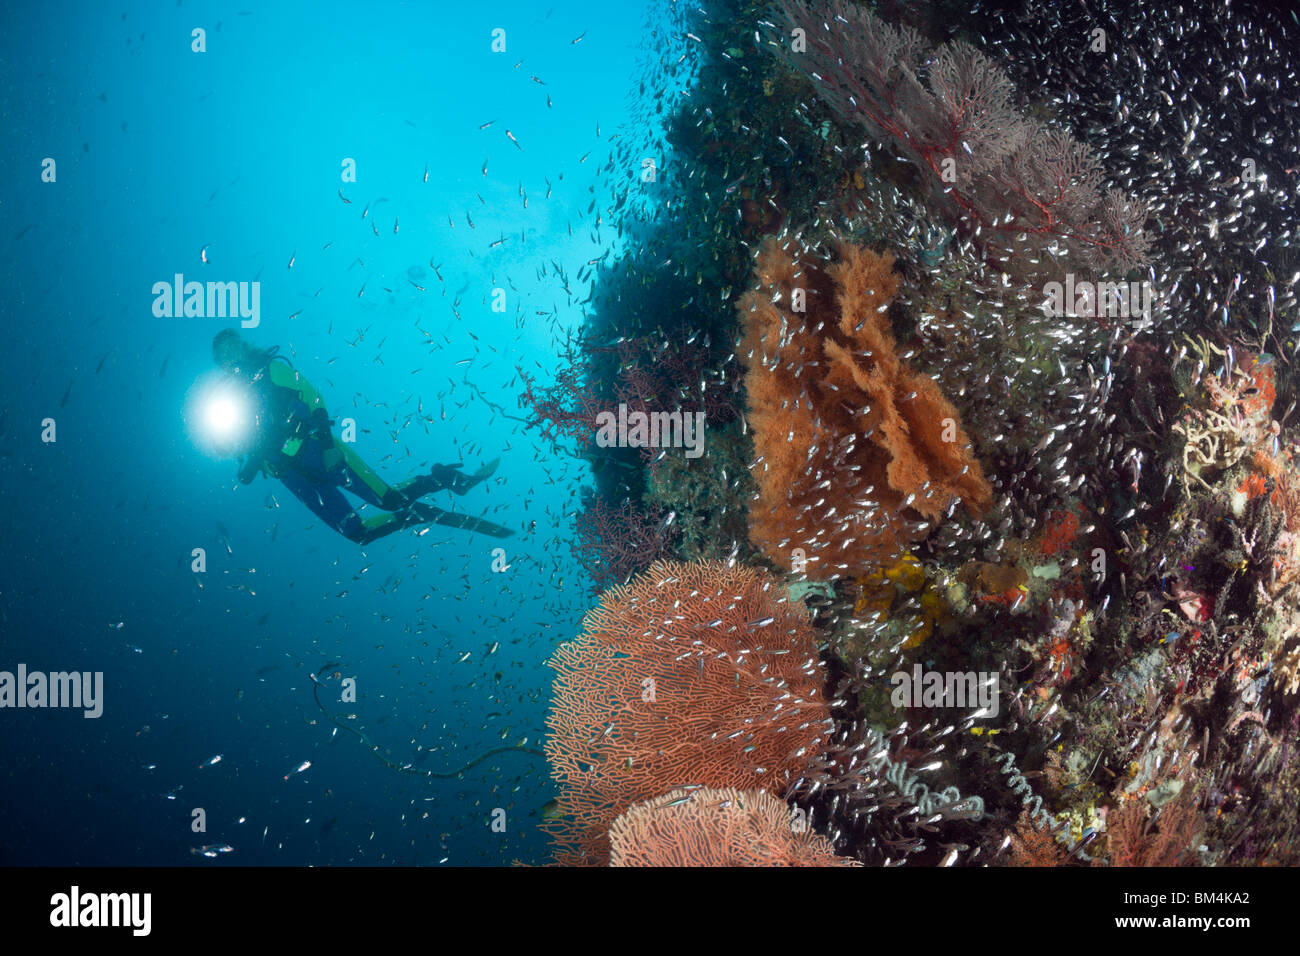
x: 1095, y: 516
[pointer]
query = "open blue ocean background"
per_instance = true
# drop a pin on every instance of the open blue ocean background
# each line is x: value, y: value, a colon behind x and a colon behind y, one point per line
x: 163, y: 155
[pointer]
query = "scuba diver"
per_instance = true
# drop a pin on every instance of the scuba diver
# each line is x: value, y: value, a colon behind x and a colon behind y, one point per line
x: 293, y: 442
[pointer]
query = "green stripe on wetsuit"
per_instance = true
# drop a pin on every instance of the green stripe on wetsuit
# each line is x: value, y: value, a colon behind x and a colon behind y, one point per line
x: 286, y: 376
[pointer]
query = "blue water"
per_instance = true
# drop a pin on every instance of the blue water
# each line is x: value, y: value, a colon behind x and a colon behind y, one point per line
x: 164, y: 155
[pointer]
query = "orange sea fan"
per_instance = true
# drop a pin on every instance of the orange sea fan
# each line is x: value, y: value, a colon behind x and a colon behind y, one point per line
x: 717, y: 828
x: 857, y: 453
x: 1032, y: 846
x: 701, y: 673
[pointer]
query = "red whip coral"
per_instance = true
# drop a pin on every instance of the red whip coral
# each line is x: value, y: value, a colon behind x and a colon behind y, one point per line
x: 566, y: 410
x: 717, y: 828
x: 1138, y: 840
x: 1034, y: 846
x: 1007, y: 178
x: 613, y: 543
x: 701, y: 674
x: 854, y: 448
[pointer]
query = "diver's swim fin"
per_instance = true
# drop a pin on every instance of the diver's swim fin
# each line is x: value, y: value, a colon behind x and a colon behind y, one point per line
x: 463, y: 483
x: 487, y: 471
x: 453, y: 519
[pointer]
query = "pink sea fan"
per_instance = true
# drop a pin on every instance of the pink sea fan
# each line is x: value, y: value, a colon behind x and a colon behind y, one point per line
x: 724, y: 827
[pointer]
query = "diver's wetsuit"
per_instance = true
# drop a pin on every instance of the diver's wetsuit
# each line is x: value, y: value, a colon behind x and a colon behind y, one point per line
x: 298, y: 448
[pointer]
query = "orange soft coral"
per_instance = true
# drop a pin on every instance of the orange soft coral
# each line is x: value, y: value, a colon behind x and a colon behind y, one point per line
x: 1260, y: 392
x: 1253, y: 486
x: 1059, y: 534
x: 857, y: 453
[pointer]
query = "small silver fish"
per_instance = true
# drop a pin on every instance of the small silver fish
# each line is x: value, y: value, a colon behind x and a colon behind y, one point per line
x: 212, y: 850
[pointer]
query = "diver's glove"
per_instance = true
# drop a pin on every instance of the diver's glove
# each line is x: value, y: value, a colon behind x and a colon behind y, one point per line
x: 250, y: 470
x: 452, y: 477
x: 447, y: 474
x: 320, y: 423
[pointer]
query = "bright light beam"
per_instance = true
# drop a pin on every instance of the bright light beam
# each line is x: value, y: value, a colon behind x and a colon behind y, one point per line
x: 220, y: 417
